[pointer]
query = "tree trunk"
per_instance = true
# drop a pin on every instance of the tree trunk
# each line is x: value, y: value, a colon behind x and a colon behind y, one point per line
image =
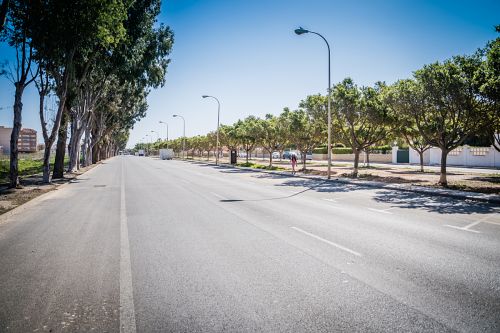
x: 421, y: 154
x: 85, y: 147
x: 46, y: 162
x: 270, y: 159
x: 248, y: 153
x: 14, y: 137
x: 61, y: 146
x: 95, y: 153
x: 442, y: 179
x: 367, y: 153
x: 75, y: 148
x: 356, y: 163
x: 71, y: 144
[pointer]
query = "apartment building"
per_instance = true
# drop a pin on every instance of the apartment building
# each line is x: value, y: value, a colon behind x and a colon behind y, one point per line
x: 27, y: 140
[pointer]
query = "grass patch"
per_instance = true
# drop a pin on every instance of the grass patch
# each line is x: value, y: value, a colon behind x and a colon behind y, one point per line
x: 246, y: 164
x: 259, y: 166
x: 27, y: 167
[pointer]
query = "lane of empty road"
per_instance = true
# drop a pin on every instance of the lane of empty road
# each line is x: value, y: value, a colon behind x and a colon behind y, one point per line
x: 141, y: 244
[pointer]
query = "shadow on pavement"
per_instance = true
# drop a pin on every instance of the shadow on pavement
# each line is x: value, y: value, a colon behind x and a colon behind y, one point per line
x: 399, y: 199
x: 267, y: 199
x: 436, y: 204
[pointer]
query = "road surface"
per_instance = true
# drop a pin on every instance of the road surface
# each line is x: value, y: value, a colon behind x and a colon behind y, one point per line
x: 144, y: 245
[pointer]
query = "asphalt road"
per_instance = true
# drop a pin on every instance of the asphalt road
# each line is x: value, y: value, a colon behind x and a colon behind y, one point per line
x: 144, y: 245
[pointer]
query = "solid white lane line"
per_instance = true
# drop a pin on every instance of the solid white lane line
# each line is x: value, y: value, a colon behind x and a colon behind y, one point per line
x: 127, y: 312
x: 343, y: 248
x: 385, y: 211
x: 218, y: 196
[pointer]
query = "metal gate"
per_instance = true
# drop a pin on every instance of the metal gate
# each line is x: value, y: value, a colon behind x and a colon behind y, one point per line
x: 403, y: 156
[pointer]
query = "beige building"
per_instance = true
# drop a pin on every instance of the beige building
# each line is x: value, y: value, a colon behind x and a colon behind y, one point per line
x: 26, y: 143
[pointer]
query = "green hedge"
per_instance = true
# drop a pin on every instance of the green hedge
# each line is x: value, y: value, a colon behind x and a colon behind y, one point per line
x: 381, y: 149
x: 374, y: 150
x: 324, y: 150
x: 340, y: 151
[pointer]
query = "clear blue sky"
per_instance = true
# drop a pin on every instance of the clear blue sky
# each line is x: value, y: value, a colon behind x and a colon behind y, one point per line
x: 246, y: 54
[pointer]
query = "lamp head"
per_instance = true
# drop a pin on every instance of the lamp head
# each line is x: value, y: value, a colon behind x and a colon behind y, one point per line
x: 205, y: 96
x: 301, y: 31
x: 174, y: 115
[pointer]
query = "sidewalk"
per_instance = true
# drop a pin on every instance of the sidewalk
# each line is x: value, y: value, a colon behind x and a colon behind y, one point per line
x: 399, y: 184
x: 436, y: 168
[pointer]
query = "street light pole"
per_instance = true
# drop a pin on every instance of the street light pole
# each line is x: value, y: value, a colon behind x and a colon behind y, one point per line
x: 183, y: 133
x: 218, y: 125
x: 157, y: 134
x: 147, y: 145
x: 301, y: 31
x: 162, y: 122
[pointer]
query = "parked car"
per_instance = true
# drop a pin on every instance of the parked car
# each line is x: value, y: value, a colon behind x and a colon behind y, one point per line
x: 288, y: 154
x: 309, y: 156
x: 276, y: 155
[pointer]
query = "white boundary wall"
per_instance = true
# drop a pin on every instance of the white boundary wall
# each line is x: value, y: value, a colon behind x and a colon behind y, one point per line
x: 463, y: 156
x: 415, y: 158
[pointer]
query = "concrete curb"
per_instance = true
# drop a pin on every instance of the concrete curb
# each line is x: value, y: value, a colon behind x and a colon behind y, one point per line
x: 456, y: 194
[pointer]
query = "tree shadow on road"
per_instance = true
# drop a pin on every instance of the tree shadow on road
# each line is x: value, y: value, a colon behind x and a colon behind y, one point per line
x: 435, y: 204
x: 323, y: 185
x: 399, y: 199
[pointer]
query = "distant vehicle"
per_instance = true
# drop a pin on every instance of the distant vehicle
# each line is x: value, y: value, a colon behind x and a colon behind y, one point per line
x: 309, y: 156
x: 276, y: 155
x: 166, y: 154
x: 242, y: 154
x: 288, y: 154
x: 141, y: 152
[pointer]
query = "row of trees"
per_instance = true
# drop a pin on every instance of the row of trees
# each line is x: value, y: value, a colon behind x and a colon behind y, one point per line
x: 98, y: 59
x: 444, y: 104
x: 273, y: 133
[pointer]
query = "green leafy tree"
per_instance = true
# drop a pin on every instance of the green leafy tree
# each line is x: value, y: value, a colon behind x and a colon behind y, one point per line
x: 304, y: 131
x: 272, y: 135
x: 248, y: 134
x: 405, y: 99
x: 488, y: 82
x: 20, y: 15
x: 212, y: 143
x: 360, y: 117
x: 228, y: 136
x: 452, y: 107
x: 4, y: 7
